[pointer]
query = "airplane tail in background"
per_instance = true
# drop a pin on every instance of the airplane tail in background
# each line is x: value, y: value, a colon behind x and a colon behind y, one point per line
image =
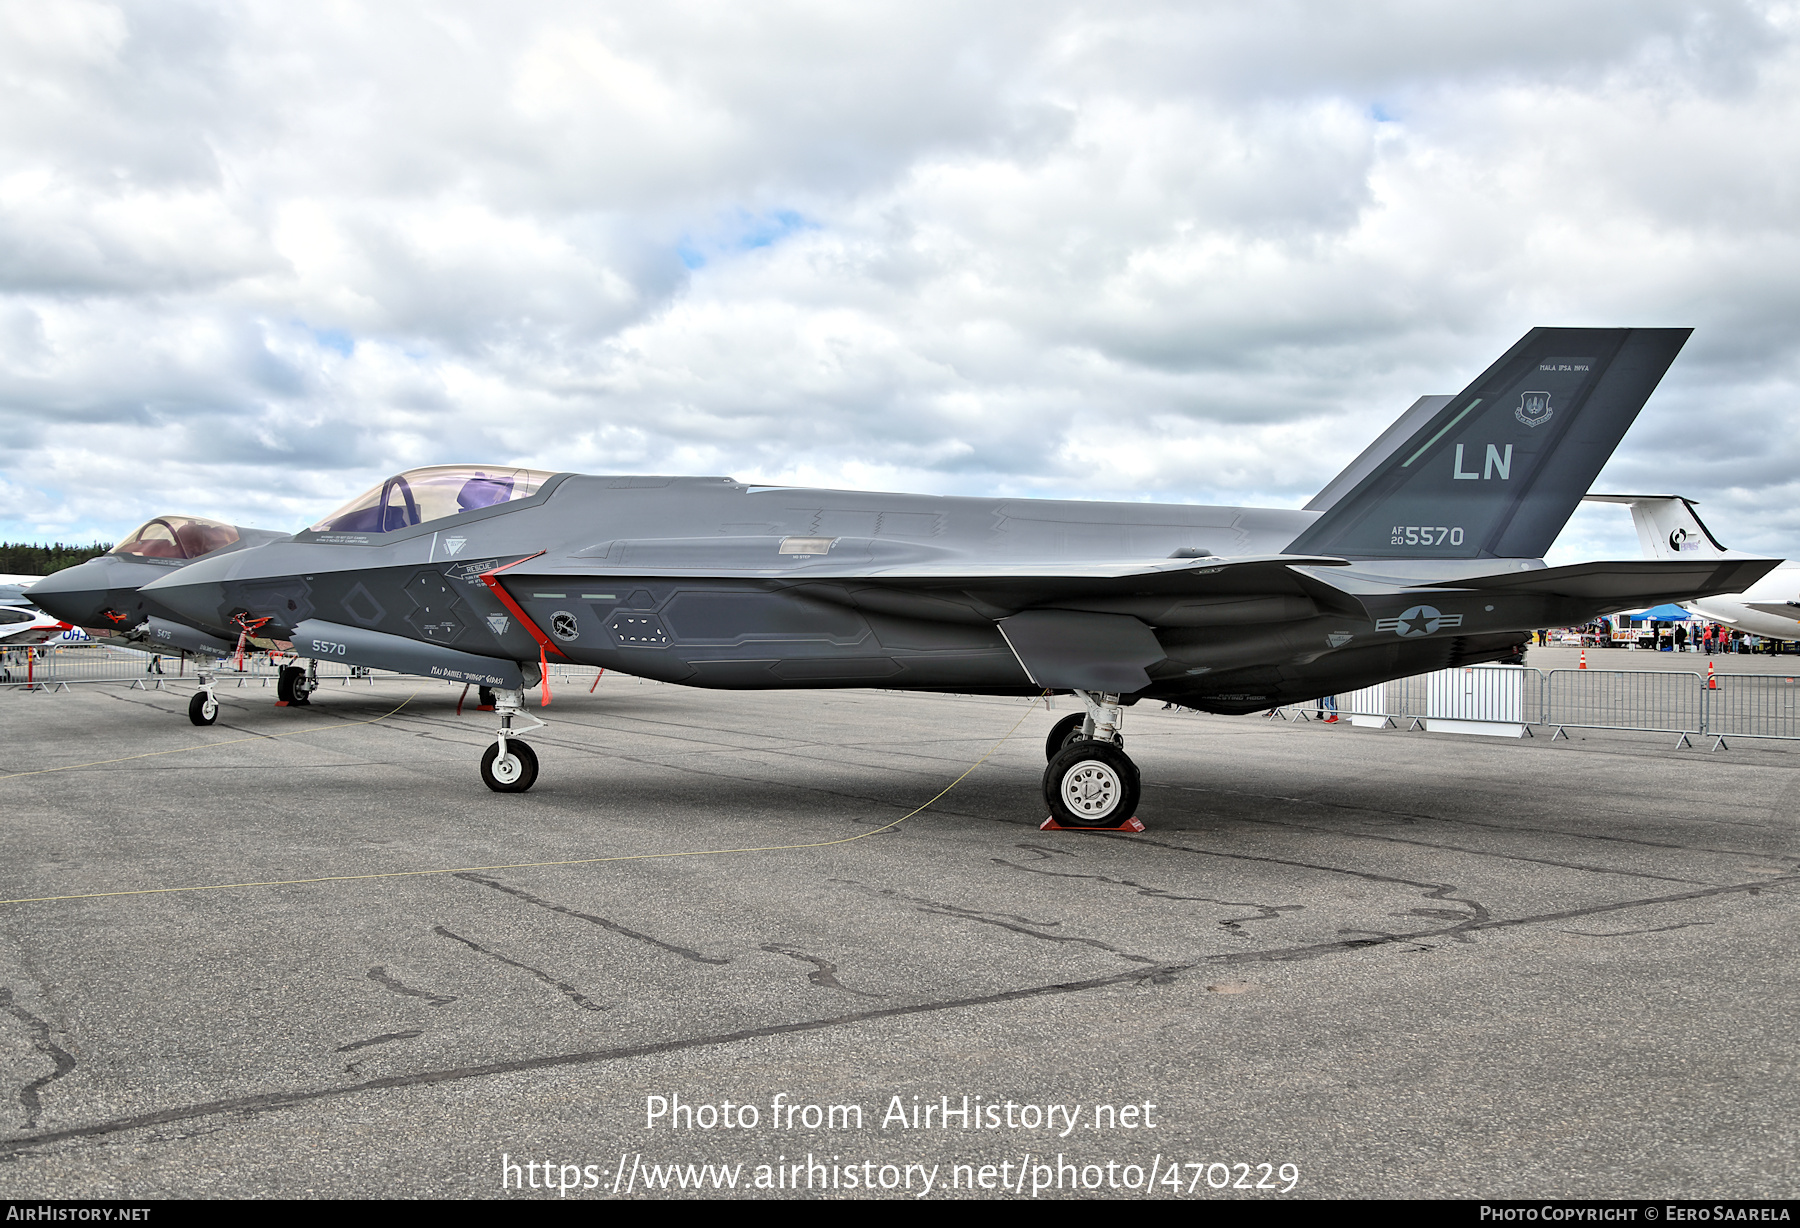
x: 1668, y: 527
x: 1497, y: 471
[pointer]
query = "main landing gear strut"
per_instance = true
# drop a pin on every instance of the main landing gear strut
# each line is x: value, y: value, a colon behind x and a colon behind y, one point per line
x: 294, y: 686
x: 1091, y: 782
x: 509, y: 765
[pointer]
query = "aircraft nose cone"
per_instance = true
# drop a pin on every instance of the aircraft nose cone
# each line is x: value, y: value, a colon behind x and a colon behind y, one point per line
x: 75, y: 594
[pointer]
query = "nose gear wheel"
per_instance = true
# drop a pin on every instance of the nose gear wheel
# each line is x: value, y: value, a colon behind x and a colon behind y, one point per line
x: 513, y: 772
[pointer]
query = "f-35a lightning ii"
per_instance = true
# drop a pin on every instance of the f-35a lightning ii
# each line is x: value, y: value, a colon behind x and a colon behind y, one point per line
x: 104, y: 596
x: 1425, y: 553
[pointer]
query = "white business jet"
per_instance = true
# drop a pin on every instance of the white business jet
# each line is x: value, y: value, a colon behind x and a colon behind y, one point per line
x: 1669, y: 528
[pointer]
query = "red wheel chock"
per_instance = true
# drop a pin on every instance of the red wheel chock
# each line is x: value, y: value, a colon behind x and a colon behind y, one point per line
x: 1130, y: 824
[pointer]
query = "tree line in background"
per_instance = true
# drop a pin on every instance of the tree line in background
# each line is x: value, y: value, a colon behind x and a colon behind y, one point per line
x: 25, y: 559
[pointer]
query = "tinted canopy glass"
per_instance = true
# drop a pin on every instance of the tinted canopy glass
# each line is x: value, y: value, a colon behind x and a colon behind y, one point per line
x: 432, y: 493
x: 177, y: 537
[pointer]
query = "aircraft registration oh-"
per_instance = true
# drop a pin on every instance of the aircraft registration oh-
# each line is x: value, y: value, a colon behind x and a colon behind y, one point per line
x: 1425, y: 553
x: 21, y: 624
x: 104, y: 595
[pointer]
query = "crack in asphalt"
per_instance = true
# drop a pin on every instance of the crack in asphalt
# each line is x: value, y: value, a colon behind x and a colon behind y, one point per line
x: 266, y: 1101
x: 1489, y: 853
x: 1265, y: 912
x: 1154, y: 975
x: 580, y: 999
x: 1464, y: 930
x: 383, y: 1039
x: 823, y: 973
x: 381, y: 976
x: 1432, y: 844
x: 1005, y: 921
x: 602, y: 922
x: 62, y: 1061
x: 1433, y: 891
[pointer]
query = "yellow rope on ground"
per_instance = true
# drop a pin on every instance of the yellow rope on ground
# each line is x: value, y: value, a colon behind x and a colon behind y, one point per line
x: 524, y: 865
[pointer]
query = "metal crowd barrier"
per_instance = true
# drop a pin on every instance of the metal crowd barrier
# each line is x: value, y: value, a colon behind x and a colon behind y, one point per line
x: 1752, y: 706
x: 56, y: 667
x: 1649, y: 701
x: 1684, y: 703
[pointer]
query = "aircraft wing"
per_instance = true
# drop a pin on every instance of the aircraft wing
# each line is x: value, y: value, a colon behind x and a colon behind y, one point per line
x: 862, y: 559
x: 1013, y: 585
x: 1626, y: 585
x: 1056, y: 571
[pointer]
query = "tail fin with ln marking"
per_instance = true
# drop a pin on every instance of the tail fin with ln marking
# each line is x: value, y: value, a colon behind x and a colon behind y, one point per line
x: 1498, y: 470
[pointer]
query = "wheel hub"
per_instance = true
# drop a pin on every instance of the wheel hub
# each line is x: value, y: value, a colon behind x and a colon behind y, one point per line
x: 1091, y: 790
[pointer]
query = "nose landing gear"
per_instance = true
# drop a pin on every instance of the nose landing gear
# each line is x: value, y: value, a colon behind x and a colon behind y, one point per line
x: 203, y: 708
x: 509, y: 765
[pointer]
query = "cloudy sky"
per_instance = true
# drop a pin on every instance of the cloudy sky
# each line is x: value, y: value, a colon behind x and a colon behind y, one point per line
x: 253, y: 256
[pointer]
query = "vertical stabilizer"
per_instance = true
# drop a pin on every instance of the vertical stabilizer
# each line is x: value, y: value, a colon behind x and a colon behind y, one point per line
x: 1668, y: 527
x: 1403, y: 429
x: 1498, y: 470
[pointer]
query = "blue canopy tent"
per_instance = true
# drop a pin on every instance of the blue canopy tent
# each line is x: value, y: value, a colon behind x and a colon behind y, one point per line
x: 1666, y: 614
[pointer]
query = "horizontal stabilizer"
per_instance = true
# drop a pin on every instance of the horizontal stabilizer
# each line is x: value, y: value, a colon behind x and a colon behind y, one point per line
x: 1627, y: 585
x: 1780, y: 609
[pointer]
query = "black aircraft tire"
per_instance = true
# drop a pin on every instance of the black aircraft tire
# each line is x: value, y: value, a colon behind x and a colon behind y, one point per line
x: 1092, y: 784
x: 203, y: 709
x: 517, y: 773
x: 284, y: 683
x: 1065, y: 733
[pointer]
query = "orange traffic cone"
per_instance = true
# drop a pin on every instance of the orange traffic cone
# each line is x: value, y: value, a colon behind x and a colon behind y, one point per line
x: 1712, y: 684
x: 1583, y: 664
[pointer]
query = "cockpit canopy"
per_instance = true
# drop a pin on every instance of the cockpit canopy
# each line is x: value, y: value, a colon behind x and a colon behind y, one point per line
x: 431, y: 493
x: 177, y: 537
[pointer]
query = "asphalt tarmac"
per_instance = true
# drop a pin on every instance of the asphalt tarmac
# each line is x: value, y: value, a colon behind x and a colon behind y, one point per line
x: 1339, y: 962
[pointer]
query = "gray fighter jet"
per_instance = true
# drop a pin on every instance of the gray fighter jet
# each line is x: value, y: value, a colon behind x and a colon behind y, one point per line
x: 104, y: 596
x: 1425, y: 553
